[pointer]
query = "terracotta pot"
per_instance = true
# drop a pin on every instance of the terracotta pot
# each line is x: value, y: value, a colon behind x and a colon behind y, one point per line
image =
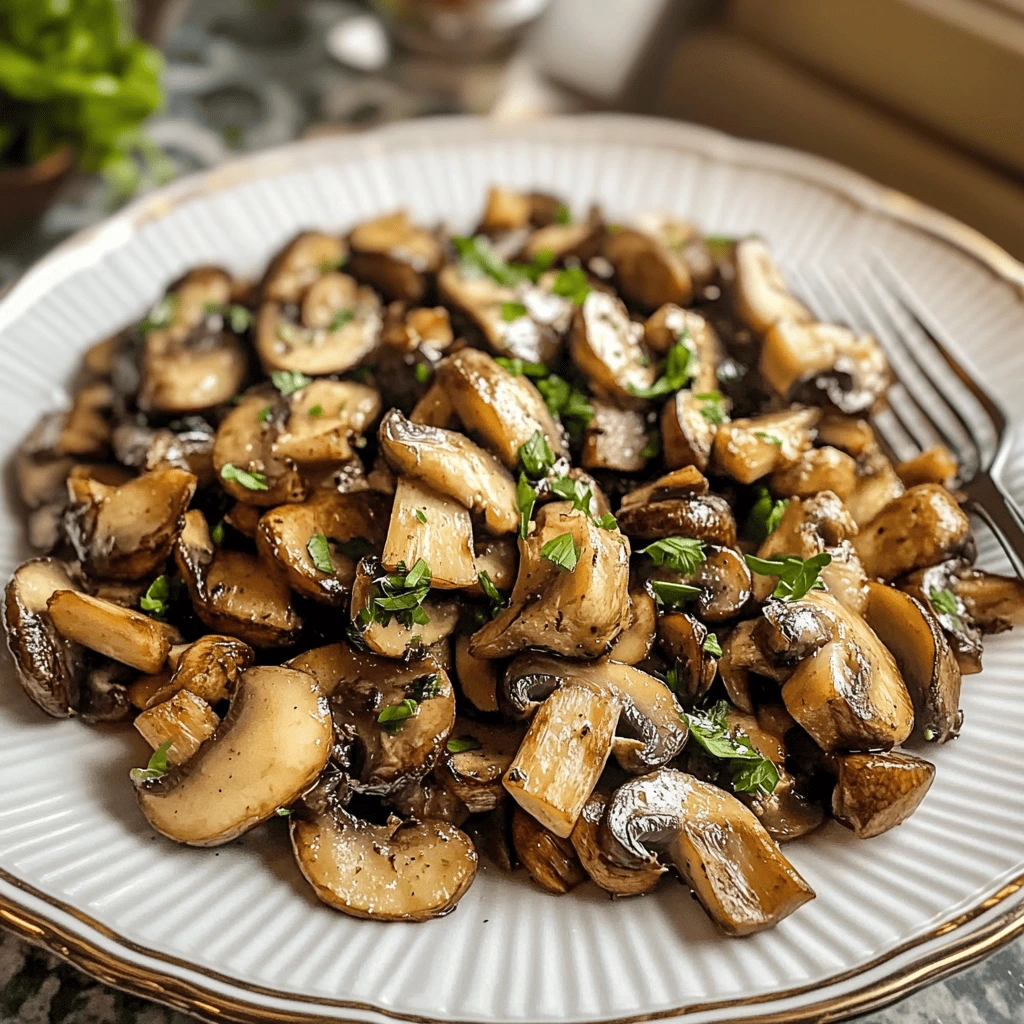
x: 26, y: 192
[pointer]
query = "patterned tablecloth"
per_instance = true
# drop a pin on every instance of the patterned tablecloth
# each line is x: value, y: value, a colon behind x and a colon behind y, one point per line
x: 243, y: 75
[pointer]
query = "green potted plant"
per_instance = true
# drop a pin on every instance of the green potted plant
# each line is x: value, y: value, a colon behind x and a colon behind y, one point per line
x: 75, y: 87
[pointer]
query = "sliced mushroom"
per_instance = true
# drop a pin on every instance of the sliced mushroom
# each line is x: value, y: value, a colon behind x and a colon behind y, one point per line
x: 848, y: 694
x: 748, y: 449
x: 550, y: 859
x: 209, y: 668
x: 682, y: 637
x: 127, y: 532
x: 427, y: 798
x: 615, y: 439
x: 817, y: 469
x: 506, y: 210
x: 301, y: 263
x: 920, y: 528
x: 285, y: 536
x: 741, y: 655
x: 49, y: 666
x: 473, y: 772
x: 322, y: 418
x: 687, y: 436
x: 428, y: 525
x: 994, y: 603
x: 119, y: 633
x: 394, y: 255
x: 562, y: 755
x: 877, y: 792
x: 269, y: 749
x: 421, y: 329
x: 915, y: 639
x: 104, y: 695
x: 634, y: 643
x: 234, y: 592
x: 934, y: 466
x: 725, y: 583
x: 651, y: 730
x: 607, y: 347
x: 685, y: 239
x: 452, y: 464
x: 648, y: 273
x: 340, y: 324
x: 183, y: 721
x: 400, y: 871
x: 434, y: 409
x: 717, y: 845
x: 360, y: 685
x: 478, y: 677
x: 575, y: 613
x: 706, y: 517
x: 761, y: 295
x: 393, y: 639
x: 610, y: 876
x: 877, y: 486
x: 687, y: 482
x: 504, y: 410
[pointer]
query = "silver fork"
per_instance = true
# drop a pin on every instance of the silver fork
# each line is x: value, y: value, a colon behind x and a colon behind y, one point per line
x: 935, y: 399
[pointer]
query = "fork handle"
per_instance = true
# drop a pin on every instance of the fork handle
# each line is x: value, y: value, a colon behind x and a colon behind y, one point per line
x: 988, y: 498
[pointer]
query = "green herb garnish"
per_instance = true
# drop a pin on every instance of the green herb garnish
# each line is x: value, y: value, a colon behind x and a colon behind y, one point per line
x: 764, y: 516
x: 264, y: 414
x: 421, y: 515
x: 562, y: 551
x: 712, y: 646
x: 161, y: 314
x: 283, y: 812
x: 399, y: 595
x: 217, y: 533
x: 672, y: 595
x: 771, y: 439
x: 713, y: 409
x: 316, y: 411
x: 512, y: 311
x: 157, y: 598
x: 477, y: 258
x: 422, y: 373
x: 536, y: 456
x: 653, y: 446
x: 341, y: 318
x: 290, y: 381
x: 491, y: 592
x: 683, y: 554
x: 460, y: 744
x: 568, y: 402
x: 251, y: 481
x: 572, y: 283
x: 675, y: 373
x: 526, y: 498
x: 945, y: 603
x: 320, y: 552
x: 158, y: 765
x: 518, y: 368
x: 394, y: 716
x: 751, y: 771
x: 796, y: 576
x: 563, y: 215
x: 575, y: 491
x: 607, y: 522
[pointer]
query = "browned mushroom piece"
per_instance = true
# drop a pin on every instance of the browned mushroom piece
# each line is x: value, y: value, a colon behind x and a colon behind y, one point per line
x: 349, y: 525
x: 434, y: 409
x: 322, y: 419
x: 920, y: 528
x: 748, y: 449
x: 705, y: 517
x: 683, y: 638
x: 300, y: 264
x: 427, y: 798
x: 580, y: 240
x: 85, y: 429
x: 647, y: 271
x: 615, y: 439
x: 234, y: 592
x: 687, y: 435
x: 685, y: 239
x: 505, y: 210
x: 634, y: 643
x: 934, y: 466
x: 502, y: 409
x: 550, y: 859
x: 742, y: 655
x: 182, y: 722
x: 876, y: 792
x: 717, y: 845
x: 394, y: 255
x: 477, y: 677
x: 420, y: 329
x: 476, y: 756
x: 499, y: 558
x: 817, y: 469
x: 686, y: 482
x: 761, y: 295
x: 245, y: 441
x: 127, y: 532
x: 208, y: 668
x: 574, y: 613
x: 191, y: 362
x: 994, y: 603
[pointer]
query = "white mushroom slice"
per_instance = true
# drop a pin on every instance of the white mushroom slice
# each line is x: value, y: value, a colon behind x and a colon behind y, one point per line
x: 245, y: 440
x: 475, y: 758
x: 449, y: 462
x: 395, y: 872
x: 349, y: 524
x: 300, y: 264
x: 648, y: 272
x: 615, y: 439
x: 49, y: 666
x: 499, y: 558
x: 430, y: 526
x: 394, y: 255
x: 234, y: 592
x: 127, y: 532
x: 345, y: 326
x: 817, y: 469
x: 478, y: 677
x: 322, y: 417
x: 562, y: 756
x: 717, y: 845
x: 120, y: 633
x: 183, y: 721
x: 504, y: 410
x: 550, y: 859
x: 877, y: 792
x: 270, y: 748
x: 748, y: 449
x: 762, y: 296
x: 574, y: 613
x: 634, y: 643
x: 685, y: 239
x: 608, y: 349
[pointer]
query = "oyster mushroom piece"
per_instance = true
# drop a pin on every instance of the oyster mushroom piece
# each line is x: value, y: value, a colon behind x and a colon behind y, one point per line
x: 50, y: 667
x: 877, y: 792
x: 918, y: 529
x: 848, y: 694
x: 716, y: 844
x: 562, y: 755
x: 550, y: 859
x: 127, y: 532
x: 340, y: 324
x: 399, y: 871
x: 915, y: 639
x: 359, y: 686
x: 449, y: 462
x: 615, y: 439
x: 122, y: 634
x: 302, y: 262
x: 761, y: 295
x: 234, y: 592
x: 748, y: 449
x: 648, y: 273
x: 607, y: 347
x: 475, y: 759
x: 574, y: 613
x: 285, y: 537
x: 504, y: 410
x: 322, y: 418
x: 394, y: 255
x: 270, y: 748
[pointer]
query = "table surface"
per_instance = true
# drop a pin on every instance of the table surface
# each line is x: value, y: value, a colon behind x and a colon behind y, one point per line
x: 244, y: 76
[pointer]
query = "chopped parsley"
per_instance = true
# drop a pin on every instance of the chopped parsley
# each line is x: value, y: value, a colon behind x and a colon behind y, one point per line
x: 161, y: 314
x: 653, y: 446
x: 320, y: 552
x: 290, y: 381
x: 217, y: 533
x: 491, y: 592
x: 460, y: 744
x: 572, y: 283
x: 764, y: 516
x: 683, y: 554
x: 157, y: 598
x: 796, y: 576
x: 238, y: 318
x: 394, y: 716
x: 329, y: 266
x: 264, y: 414
x: 568, y: 402
x: 713, y: 409
x: 518, y: 368
x: 316, y: 411
x: 422, y: 373
x: 250, y: 480
x: 676, y: 372
x: 712, y: 646
x: 512, y: 311
x: 751, y: 771
x: 607, y: 522
x: 399, y: 595
x: 563, y: 215
x: 341, y: 318
x: 536, y: 456
x: 283, y: 812
x: 671, y: 595
x: 562, y: 551
x: 158, y: 765
x: 575, y: 491
x: 421, y: 515
x: 945, y: 603
x: 771, y: 439
x: 526, y: 498
x: 477, y: 258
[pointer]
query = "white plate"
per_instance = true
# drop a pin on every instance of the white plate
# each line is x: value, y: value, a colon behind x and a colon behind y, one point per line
x: 235, y: 933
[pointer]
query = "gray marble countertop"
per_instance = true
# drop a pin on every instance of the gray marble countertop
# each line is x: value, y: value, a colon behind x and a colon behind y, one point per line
x: 244, y: 76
